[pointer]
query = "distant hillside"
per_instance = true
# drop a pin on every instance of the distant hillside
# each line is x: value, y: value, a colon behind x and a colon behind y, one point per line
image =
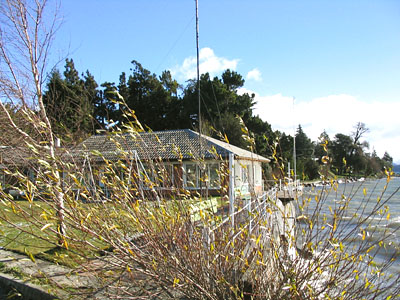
x: 396, y: 168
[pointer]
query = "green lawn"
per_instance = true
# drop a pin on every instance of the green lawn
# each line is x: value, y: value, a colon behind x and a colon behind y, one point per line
x: 15, y: 239
x: 30, y: 236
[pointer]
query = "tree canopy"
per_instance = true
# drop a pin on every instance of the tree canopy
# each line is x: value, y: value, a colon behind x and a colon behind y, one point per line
x: 77, y: 106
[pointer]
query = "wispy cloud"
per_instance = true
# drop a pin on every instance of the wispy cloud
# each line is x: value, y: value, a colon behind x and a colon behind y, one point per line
x: 209, y: 62
x: 254, y: 74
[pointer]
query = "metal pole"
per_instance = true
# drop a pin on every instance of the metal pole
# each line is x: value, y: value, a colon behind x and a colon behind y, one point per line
x: 294, y: 148
x: 231, y: 190
x: 198, y: 63
x: 198, y: 99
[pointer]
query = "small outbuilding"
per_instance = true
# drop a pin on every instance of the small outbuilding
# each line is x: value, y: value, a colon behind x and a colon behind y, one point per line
x: 190, y: 161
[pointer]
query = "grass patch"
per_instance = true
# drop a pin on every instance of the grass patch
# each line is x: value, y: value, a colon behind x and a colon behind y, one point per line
x: 20, y: 236
x: 27, y: 237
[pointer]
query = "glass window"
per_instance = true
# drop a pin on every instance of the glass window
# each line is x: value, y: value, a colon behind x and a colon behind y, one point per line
x: 165, y: 175
x: 177, y: 175
x: 191, y: 175
x: 213, y: 170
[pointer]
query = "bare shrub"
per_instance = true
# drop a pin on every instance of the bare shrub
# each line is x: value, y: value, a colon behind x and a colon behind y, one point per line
x: 136, y: 240
x: 109, y: 215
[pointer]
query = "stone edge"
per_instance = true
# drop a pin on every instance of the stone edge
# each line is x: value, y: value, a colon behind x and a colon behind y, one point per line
x: 27, y: 290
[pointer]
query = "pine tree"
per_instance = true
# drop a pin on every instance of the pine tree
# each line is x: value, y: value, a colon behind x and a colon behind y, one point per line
x: 70, y: 102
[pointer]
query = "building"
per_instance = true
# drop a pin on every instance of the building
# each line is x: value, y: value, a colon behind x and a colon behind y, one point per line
x: 176, y: 160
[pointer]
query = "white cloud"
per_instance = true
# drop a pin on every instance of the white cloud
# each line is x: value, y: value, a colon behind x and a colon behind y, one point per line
x: 209, y: 62
x: 335, y: 114
x: 254, y: 74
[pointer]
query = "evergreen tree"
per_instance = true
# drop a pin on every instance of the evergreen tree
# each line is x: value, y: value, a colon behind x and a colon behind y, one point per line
x: 106, y: 110
x: 123, y: 86
x: 69, y: 102
x: 148, y: 98
x: 387, y: 161
x: 306, y: 166
x: 286, y: 149
x: 304, y: 146
x: 321, y: 146
x: 263, y: 135
x: 221, y: 107
x: 342, y: 147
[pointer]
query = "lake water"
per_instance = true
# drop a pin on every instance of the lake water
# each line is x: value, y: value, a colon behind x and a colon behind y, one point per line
x: 372, y: 215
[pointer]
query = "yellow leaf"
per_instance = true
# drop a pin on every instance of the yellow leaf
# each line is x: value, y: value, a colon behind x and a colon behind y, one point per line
x: 65, y: 244
x: 45, y: 227
x: 365, y: 191
x: 367, y: 283
x: 131, y: 252
x: 113, y: 227
x: 176, y: 281
x: 226, y: 139
x: 44, y: 216
x: 30, y: 255
x: 13, y: 208
x: 43, y: 163
x: 325, y: 159
x: 309, y: 245
x: 388, y: 216
x: 370, y: 248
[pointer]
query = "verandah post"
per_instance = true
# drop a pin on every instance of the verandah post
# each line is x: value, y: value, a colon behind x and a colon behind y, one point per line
x: 231, y: 190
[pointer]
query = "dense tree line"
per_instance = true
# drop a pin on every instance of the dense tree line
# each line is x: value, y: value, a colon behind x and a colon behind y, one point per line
x: 78, y: 106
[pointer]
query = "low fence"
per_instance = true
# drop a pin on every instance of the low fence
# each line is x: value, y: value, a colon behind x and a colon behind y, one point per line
x: 265, y: 216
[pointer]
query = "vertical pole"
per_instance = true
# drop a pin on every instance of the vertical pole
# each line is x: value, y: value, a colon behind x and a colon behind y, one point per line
x: 198, y: 63
x: 250, y: 216
x: 231, y: 190
x: 294, y: 149
x: 200, y: 174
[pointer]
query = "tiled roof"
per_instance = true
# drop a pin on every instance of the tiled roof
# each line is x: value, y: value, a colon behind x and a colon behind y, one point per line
x: 165, y: 145
x: 16, y: 156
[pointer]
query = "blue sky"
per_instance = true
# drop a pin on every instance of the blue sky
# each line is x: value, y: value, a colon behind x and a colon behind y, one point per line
x: 339, y: 59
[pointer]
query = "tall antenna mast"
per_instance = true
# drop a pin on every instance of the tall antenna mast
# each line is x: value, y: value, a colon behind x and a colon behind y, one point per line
x: 198, y: 65
x: 198, y: 97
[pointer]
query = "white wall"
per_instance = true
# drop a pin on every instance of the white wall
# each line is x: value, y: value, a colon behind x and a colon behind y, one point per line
x: 248, y: 173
